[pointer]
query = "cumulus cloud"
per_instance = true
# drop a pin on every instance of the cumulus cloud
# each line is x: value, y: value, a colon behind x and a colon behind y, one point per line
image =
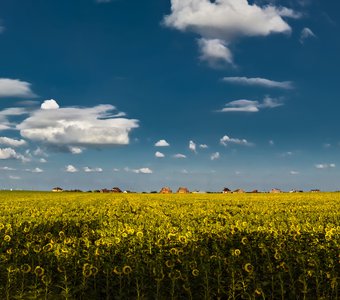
x: 192, y: 146
x: 10, y: 153
x: 325, y: 166
x: 43, y: 160
x: 215, y: 156
x: 213, y: 51
x: 179, y: 155
x: 76, y: 150
x: 12, y: 142
x: 71, y: 169
x: 220, y: 22
x: 244, y: 105
x: 15, y: 88
x: 162, y: 143
x: 76, y: 126
x: 91, y: 170
x: 305, y: 34
x: 49, y: 104
x: 203, y: 146
x: 159, y: 154
x: 226, y: 140
x: 259, y: 82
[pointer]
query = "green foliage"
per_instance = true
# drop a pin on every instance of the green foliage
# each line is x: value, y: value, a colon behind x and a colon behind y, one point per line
x: 132, y: 246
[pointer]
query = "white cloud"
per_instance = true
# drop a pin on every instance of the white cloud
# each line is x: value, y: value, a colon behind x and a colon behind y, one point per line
x: 192, y: 146
x: 71, y: 169
x: 76, y: 150
x: 179, y: 155
x: 15, y: 88
x: 42, y: 160
x: 5, y: 124
x: 215, y: 156
x: 116, y: 170
x: 91, y: 170
x: 184, y: 171
x: 294, y: 173
x: 7, y: 169
x: 35, y: 170
x: 259, y: 82
x: 77, y: 127
x: 244, y: 105
x: 159, y: 154
x: 12, y: 142
x: 241, y: 105
x: 306, y: 33
x: 9, y: 153
x: 214, y: 50
x: 220, y: 22
x: 14, y: 177
x: 49, y: 104
x: 143, y: 171
x: 325, y: 166
x: 203, y: 146
x: 226, y: 140
x: 162, y: 143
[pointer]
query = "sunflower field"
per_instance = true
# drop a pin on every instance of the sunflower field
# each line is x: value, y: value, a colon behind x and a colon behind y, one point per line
x: 152, y: 246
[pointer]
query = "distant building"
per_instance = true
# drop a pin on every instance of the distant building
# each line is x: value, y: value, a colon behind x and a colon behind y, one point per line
x: 226, y: 191
x: 275, y: 191
x: 315, y: 191
x: 57, y: 189
x: 105, y: 191
x: 239, y: 191
x: 183, y: 190
x: 165, y: 190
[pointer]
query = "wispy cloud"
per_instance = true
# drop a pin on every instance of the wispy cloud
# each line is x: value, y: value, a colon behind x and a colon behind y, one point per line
x: 325, y: 166
x: 219, y: 23
x: 294, y: 173
x: 226, y: 140
x: 244, y: 105
x: 306, y: 33
x: 92, y: 170
x: 203, y: 146
x: 162, y: 143
x: 15, y: 88
x: 7, y: 169
x: 215, y: 156
x: 35, y: 170
x: 179, y: 155
x: 257, y: 81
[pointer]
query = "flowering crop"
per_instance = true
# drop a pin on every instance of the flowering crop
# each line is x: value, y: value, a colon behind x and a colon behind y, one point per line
x: 188, y: 246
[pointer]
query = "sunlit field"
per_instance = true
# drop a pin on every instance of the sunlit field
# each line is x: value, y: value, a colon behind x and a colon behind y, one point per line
x: 151, y: 246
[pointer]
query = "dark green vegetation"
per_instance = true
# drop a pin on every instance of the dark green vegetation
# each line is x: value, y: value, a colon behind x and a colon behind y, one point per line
x: 118, y: 246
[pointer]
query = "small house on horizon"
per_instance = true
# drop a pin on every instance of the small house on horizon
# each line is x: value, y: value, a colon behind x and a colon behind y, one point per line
x: 183, y: 190
x: 226, y: 191
x: 165, y: 190
x: 57, y: 189
x: 275, y: 191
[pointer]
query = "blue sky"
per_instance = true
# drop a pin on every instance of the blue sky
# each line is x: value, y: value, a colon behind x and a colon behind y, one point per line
x: 145, y: 94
